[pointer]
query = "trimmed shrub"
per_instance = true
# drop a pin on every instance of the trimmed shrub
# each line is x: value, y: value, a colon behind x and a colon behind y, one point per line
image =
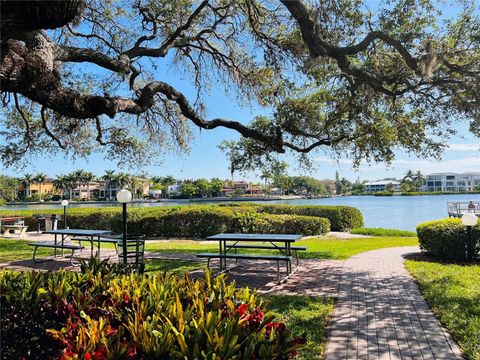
x: 204, y: 220
x: 342, y: 218
x: 292, y: 224
x: 101, y: 315
x: 446, y: 238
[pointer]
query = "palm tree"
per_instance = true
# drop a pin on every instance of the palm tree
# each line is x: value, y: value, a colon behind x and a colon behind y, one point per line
x: 266, y: 175
x: 40, y: 178
x: 27, y: 180
x: 88, y: 177
x: 60, y: 183
x: 418, y: 179
x: 121, y: 180
x: 78, y: 176
x: 109, y: 178
x: 70, y: 183
x: 409, y: 176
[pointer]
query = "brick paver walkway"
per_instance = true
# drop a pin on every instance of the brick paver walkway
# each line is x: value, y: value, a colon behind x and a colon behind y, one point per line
x: 380, y: 313
x: 314, y: 277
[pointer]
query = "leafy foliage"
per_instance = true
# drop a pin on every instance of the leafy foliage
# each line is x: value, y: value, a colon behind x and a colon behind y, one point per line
x: 342, y: 218
x: 447, y: 238
x: 100, y: 315
x: 204, y: 220
x: 333, y: 76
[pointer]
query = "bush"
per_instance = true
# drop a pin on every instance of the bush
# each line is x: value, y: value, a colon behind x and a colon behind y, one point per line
x: 383, y: 232
x: 446, y: 238
x: 100, y: 315
x: 292, y: 224
x: 342, y: 218
x: 205, y: 220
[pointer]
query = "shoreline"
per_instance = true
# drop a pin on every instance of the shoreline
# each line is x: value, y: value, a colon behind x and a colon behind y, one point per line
x: 194, y: 200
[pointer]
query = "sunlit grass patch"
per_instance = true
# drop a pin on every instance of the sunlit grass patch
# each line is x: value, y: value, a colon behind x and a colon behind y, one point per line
x: 453, y: 293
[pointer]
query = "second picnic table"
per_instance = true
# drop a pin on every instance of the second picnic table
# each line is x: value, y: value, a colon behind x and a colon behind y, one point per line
x: 87, y: 235
x: 280, y: 242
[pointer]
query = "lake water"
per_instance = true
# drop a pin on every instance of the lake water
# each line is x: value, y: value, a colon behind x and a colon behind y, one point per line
x: 394, y: 212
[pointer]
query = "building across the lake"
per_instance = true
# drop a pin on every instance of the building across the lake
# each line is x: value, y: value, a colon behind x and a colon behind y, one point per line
x: 452, y: 181
x: 382, y: 185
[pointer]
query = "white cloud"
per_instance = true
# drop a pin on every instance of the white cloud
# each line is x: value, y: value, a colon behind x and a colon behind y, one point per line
x: 463, y: 147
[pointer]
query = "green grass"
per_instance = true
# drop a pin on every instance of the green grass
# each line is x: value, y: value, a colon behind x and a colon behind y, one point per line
x: 12, y: 249
x: 383, y: 232
x: 453, y: 293
x: 318, y: 248
x: 170, y: 266
x: 304, y: 314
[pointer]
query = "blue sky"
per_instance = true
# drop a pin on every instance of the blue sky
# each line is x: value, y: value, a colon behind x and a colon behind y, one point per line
x: 206, y: 160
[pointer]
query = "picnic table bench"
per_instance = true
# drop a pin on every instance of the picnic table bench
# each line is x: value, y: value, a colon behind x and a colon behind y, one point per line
x: 280, y: 242
x: 9, y: 229
x: 107, y: 239
x: 54, y: 246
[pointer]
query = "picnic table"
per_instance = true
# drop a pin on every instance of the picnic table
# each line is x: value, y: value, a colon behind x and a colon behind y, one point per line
x: 13, y: 224
x: 91, y: 236
x: 281, y: 242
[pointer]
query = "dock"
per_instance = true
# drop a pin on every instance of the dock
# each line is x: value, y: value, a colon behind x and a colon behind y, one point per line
x: 458, y: 208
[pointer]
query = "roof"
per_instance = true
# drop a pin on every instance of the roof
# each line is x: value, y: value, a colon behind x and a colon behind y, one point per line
x: 383, y: 182
x: 453, y: 173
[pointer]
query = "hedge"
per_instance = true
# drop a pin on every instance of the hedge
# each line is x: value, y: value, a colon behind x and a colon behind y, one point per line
x: 199, y: 221
x: 100, y: 315
x: 342, y: 218
x: 446, y: 238
x: 292, y: 224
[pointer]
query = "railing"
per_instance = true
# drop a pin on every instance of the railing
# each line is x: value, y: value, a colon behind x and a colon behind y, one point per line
x: 458, y: 208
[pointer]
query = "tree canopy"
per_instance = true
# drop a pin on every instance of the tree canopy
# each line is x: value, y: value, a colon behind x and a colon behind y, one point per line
x: 82, y: 75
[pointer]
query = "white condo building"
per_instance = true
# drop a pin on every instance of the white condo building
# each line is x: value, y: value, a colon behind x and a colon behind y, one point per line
x: 452, y: 181
x: 381, y: 185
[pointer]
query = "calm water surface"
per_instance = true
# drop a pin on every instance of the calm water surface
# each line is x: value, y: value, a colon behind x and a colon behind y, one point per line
x: 394, y: 212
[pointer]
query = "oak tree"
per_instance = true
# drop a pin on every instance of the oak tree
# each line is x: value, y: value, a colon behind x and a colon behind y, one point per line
x: 82, y: 75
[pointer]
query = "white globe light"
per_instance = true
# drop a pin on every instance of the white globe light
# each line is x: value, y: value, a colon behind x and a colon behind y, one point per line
x: 469, y: 219
x: 64, y: 202
x: 124, y: 196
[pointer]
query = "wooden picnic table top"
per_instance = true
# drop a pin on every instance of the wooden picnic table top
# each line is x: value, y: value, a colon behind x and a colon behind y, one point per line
x: 15, y: 218
x: 255, y: 237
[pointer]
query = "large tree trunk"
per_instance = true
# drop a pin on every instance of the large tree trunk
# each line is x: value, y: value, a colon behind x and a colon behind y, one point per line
x: 24, y: 16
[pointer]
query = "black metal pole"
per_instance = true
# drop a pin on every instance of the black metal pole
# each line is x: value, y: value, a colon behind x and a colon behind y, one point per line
x: 469, y: 243
x: 124, y: 205
x: 64, y: 217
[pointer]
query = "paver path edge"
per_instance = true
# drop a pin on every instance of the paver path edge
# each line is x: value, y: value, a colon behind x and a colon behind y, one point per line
x: 380, y: 313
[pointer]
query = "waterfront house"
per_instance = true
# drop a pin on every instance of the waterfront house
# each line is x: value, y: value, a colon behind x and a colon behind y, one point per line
x: 230, y: 187
x: 452, y: 181
x: 382, y: 185
x: 44, y: 189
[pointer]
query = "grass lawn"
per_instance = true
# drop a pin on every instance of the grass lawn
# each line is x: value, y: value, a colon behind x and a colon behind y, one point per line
x: 171, y: 266
x: 453, y: 293
x: 12, y: 249
x: 304, y: 314
x: 382, y: 232
x: 321, y: 248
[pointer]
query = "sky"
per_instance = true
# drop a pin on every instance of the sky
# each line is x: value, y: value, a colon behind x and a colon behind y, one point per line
x: 205, y: 160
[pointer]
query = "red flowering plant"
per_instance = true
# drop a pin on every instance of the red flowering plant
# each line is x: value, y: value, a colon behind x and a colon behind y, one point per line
x: 99, y: 315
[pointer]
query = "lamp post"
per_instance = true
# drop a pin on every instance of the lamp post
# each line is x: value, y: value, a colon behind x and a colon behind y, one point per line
x: 124, y: 196
x: 64, y: 204
x: 469, y: 220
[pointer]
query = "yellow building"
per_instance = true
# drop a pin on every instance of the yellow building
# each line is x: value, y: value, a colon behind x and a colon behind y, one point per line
x: 43, y: 189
